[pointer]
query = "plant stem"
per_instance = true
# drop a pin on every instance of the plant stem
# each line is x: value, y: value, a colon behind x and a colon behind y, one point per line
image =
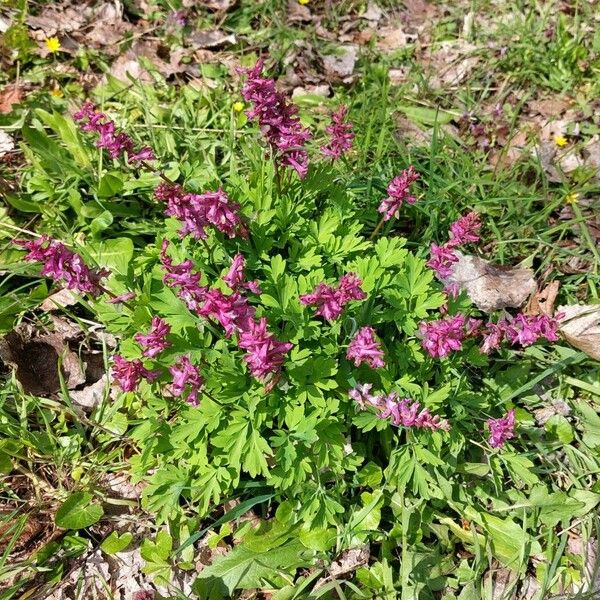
x: 379, y: 226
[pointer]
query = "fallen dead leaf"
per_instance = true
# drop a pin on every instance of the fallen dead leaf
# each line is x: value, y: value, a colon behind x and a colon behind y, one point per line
x: 62, y: 298
x: 549, y: 107
x: 491, y: 286
x: 340, y: 65
x: 391, y: 39
x: 91, y: 396
x: 500, y: 581
x: 6, y: 143
x: 9, y: 96
x: 211, y: 39
x: 313, y: 90
x: 557, y: 407
x: 349, y: 560
x: 542, y: 302
x: 298, y: 13
x: 216, y: 5
x: 373, y: 13
x: 451, y: 63
x: 580, y: 326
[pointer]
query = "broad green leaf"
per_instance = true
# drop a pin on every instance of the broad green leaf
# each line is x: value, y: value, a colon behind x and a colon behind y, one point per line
x: 110, y: 185
x: 78, y: 511
x: 114, y: 254
x: 68, y: 134
x: 427, y: 116
x: 116, y: 543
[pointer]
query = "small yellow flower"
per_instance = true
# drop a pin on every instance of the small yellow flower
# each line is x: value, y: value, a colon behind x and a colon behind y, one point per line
x: 561, y: 141
x: 303, y: 2
x: 56, y: 92
x: 572, y: 198
x: 53, y: 44
x: 238, y: 106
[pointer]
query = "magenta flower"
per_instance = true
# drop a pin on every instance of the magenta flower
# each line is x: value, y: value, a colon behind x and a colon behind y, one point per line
x: 62, y: 264
x: 398, y: 192
x: 341, y: 135
x: 465, y: 230
x: 501, y: 429
x: 186, y: 374
x: 235, y: 278
x: 401, y: 412
x: 442, y: 259
x: 493, y: 336
x: 277, y: 119
x: 365, y: 348
x: 129, y: 373
x: 522, y: 330
x: 233, y: 312
x: 114, y: 142
x: 443, y: 336
x: 155, y: 342
x: 199, y: 211
x: 265, y: 354
x: 331, y: 301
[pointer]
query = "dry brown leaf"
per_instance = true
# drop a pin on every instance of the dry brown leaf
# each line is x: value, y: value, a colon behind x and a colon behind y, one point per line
x: 580, y: 326
x: 216, y: 5
x: 211, y: 39
x: 59, y: 299
x: 313, y: 90
x: 6, y: 143
x: 298, y: 13
x: 557, y: 407
x: 451, y: 63
x: 549, y: 107
x: 10, y: 95
x: 391, y: 39
x: 491, y: 286
x: 373, y: 13
x: 90, y: 396
x: 346, y: 562
x: 340, y: 65
x: 542, y: 302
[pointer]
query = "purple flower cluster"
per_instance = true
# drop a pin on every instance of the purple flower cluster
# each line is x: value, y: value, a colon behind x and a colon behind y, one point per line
x: 501, y: 429
x: 402, y: 412
x: 60, y: 263
x: 277, y: 119
x: 116, y: 143
x: 264, y: 353
x: 398, y: 192
x: 154, y: 342
x: 443, y: 336
x: 365, y: 348
x: 341, y: 135
x: 330, y: 301
x: 129, y: 373
x: 522, y: 330
x: 199, y: 211
x: 235, y: 278
x: 462, y: 232
x: 186, y: 374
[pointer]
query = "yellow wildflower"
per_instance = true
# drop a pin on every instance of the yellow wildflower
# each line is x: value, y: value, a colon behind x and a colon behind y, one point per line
x: 53, y: 44
x: 303, y: 2
x: 561, y: 141
x: 238, y: 106
x: 56, y: 92
x: 572, y: 198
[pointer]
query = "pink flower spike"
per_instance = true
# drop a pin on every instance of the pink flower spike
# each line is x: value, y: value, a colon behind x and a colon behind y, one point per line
x: 186, y: 374
x: 341, y: 135
x: 398, y: 192
x: 235, y: 278
x: 129, y: 373
x: 265, y: 354
x: 501, y: 429
x: 145, y: 153
x: 155, y: 342
x: 277, y: 119
x: 60, y: 263
x: 443, y: 336
x: 330, y: 301
x: 493, y: 336
x: 442, y: 259
x: 365, y: 348
x: 465, y: 230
